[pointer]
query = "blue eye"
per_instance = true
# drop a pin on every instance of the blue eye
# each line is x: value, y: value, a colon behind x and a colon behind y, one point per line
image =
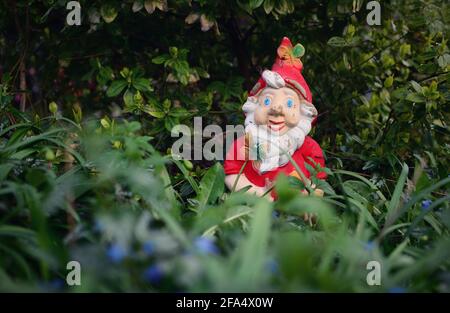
x: 267, y: 101
x: 290, y: 103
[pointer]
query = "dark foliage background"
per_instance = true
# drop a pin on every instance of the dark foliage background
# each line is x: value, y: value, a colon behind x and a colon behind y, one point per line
x: 86, y: 172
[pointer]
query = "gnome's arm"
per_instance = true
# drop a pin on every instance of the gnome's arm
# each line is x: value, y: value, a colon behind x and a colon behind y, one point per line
x: 313, y: 155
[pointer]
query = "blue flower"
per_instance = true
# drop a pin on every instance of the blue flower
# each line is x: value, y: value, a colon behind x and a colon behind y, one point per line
x: 98, y: 226
x: 148, y: 247
x: 206, y: 245
x: 57, y: 283
x: 275, y: 214
x: 426, y: 204
x: 397, y: 289
x: 53, y: 285
x: 116, y: 253
x: 153, y: 274
x: 272, y: 266
x: 369, y: 246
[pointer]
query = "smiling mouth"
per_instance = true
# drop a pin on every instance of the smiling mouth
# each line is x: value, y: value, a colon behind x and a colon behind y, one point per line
x: 276, y: 126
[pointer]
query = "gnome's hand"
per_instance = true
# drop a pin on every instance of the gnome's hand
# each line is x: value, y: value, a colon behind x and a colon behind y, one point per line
x: 311, y: 218
x: 269, y: 185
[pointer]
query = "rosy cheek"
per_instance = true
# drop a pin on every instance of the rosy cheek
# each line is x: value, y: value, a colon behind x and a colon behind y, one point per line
x: 261, y: 116
x: 292, y: 118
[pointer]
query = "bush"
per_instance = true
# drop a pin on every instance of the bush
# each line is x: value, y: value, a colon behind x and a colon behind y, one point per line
x: 86, y: 173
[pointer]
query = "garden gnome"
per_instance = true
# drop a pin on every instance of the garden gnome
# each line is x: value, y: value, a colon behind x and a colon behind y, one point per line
x: 279, y: 115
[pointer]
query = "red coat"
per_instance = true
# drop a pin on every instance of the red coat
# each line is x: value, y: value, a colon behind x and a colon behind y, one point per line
x: 234, y: 161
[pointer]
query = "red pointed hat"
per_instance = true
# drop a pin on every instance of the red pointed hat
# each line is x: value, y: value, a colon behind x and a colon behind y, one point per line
x: 289, y: 66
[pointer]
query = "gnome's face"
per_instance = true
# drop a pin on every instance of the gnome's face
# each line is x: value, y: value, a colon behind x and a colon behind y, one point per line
x: 277, y: 122
x: 278, y: 109
x: 279, y: 112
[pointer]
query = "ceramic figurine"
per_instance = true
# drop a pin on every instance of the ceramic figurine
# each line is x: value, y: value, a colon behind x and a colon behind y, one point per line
x: 279, y: 115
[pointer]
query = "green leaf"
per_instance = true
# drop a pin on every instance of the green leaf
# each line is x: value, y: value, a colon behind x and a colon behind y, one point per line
x: 47, y: 136
x: 298, y: 50
x: 170, y: 122
x: 105, y: 74
x: 168, y: 190
x: 254, y: 4
x: 423, y: 214
x: 415, y: 199
x: 186, y: 175
x: 137, y: 6
x: 116, y: 88
x: 416, y: 87
x: 389, y: 81
x: 105, y: 122
x: 252, y: 252
x: 233, y: 214
x: 17, y: 231
x: 363, y: 179
x: 154, y: 110
x: 399, y: 93
x: 171, y: 224
x: 4, y: 170
x: 173, y: 52
x: 125, y: 72
x: 268, y: 6
x: 166, y: 105
x: 395, y: 199
x: 53, y: 107
x: 415, y: 97
x: 128, y: 98
x: 19, y: 260
x: 142, y: 84
x: 444, y: 60
x: 160, y: 59
x: 337, y: 42
x: 434, y: 258
x: 211, y: 185
x: 108, y: 13
x: 150, y: 6
x: 350, y: 30
x: 179, y: 112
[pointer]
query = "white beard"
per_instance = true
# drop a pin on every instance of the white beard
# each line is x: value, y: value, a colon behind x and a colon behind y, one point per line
x: 270, y: 148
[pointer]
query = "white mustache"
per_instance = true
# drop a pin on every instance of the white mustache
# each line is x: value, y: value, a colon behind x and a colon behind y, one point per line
x: 274, y: 146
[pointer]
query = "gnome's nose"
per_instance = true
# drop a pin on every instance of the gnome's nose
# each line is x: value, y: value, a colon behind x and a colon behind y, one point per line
x: 276, y: 110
